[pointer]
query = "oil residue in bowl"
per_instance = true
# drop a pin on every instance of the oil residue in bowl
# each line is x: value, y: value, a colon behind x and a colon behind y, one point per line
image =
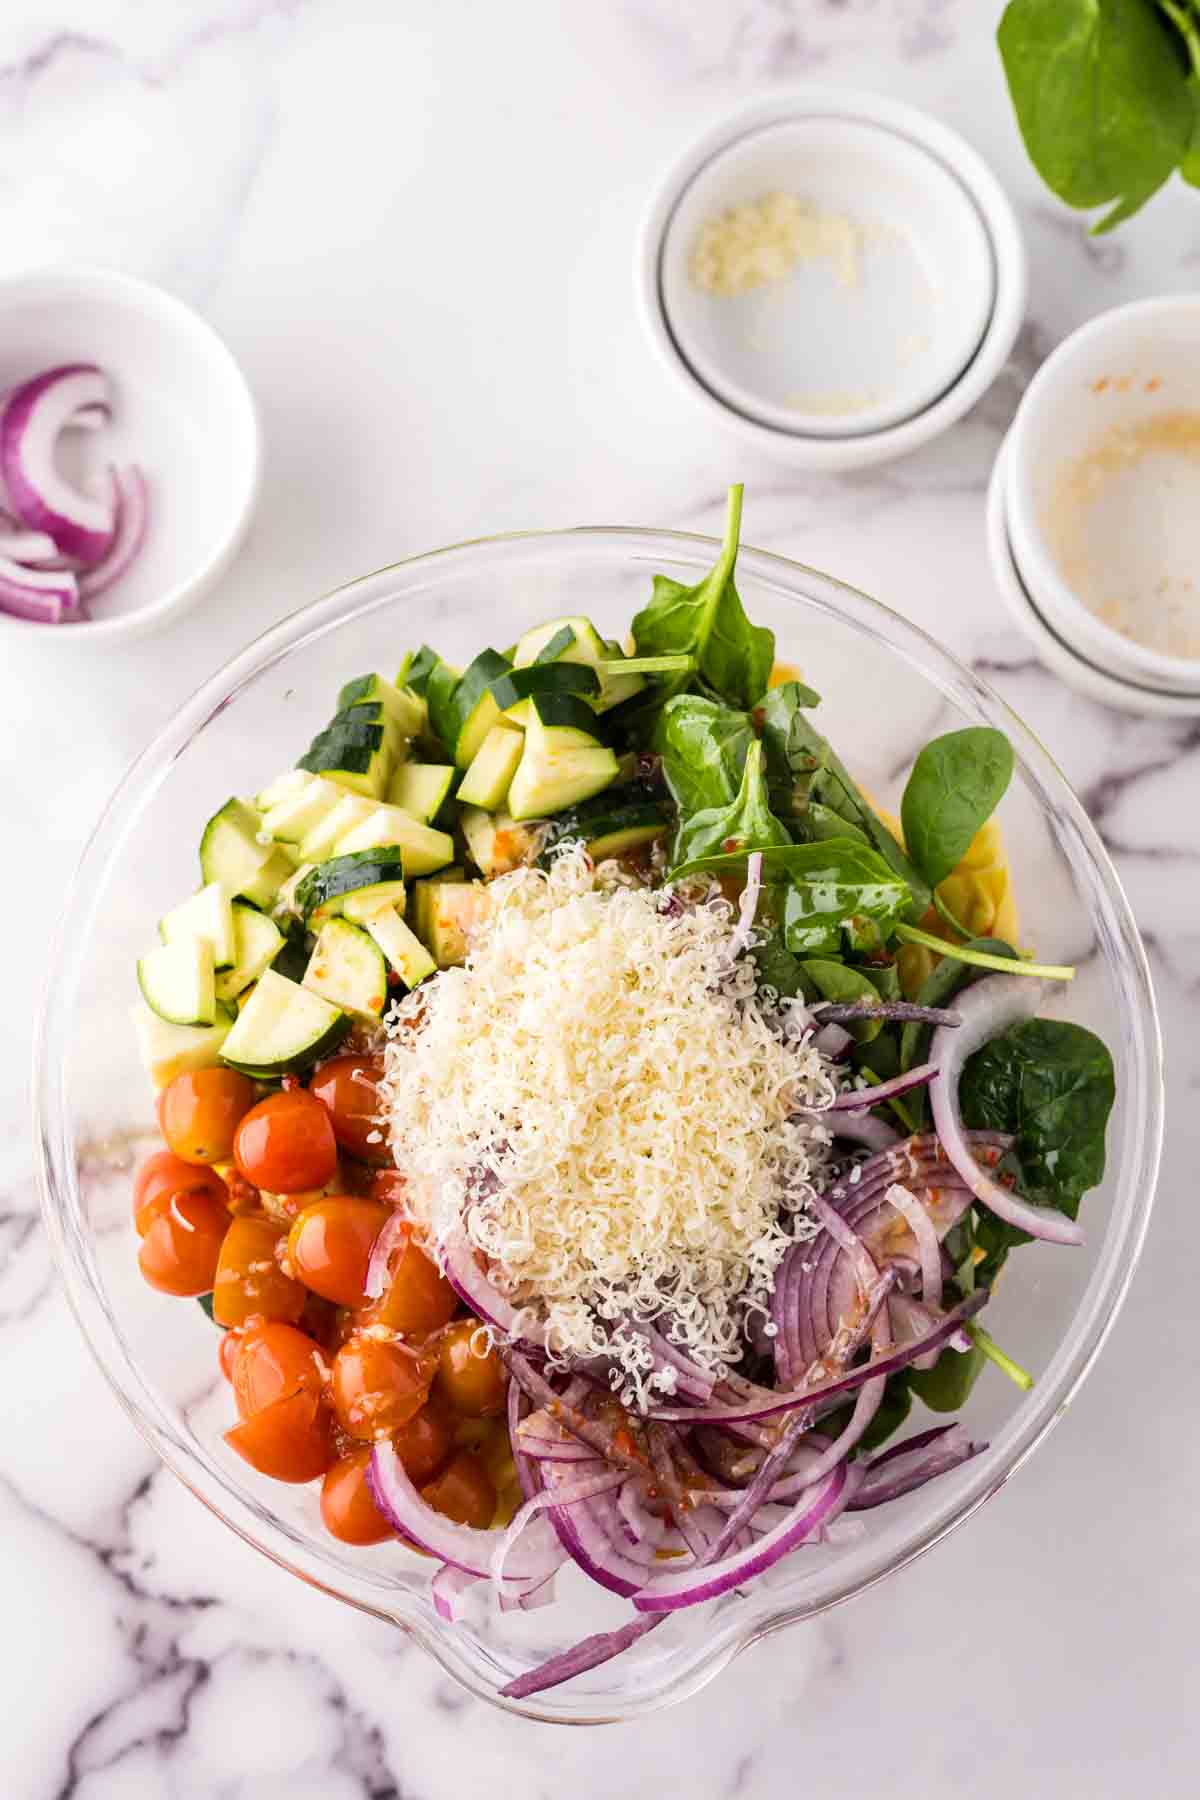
x: 1123, y: 525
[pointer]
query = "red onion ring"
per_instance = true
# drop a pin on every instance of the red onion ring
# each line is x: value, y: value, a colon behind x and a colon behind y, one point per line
x: 131, y: 510
x: 447, y: 1590
x: 34, y: 415
x: 462, y: 1546
x: 749, y: 905
x: 390, y: 1236
x: 854, y: 1099
x: 45, y: 596
x: 929, y: 1247
x: 988, y: 1008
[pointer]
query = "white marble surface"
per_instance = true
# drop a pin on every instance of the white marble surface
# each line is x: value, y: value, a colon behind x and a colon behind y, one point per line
x: 414, y: 224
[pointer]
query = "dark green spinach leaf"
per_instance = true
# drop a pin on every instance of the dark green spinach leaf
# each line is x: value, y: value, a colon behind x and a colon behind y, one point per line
x: 708, y: 622
x: 1101, y: 93
x: 956, y: 784
x: 840, y: 981
x: 804, y: 773
x: 946, y: 1386
x: 823, y: 889
x: 745, y: 823
x: 703, y: 746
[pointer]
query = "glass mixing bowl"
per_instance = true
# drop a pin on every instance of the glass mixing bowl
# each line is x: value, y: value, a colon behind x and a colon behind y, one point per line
x: 887, y: 687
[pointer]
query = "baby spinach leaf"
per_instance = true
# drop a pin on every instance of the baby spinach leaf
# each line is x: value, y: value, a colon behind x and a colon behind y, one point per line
x: 946, y: 1386
x: 824, y: 889
x: 708, y: 622
x: 1101, y: 96
x: 956, y: 784
x: 775, y: 964
x: 840, y: 981
x: 745, y: 823
x: 1052, y: 1083
x: 804, y: 773
x: 703, y: 746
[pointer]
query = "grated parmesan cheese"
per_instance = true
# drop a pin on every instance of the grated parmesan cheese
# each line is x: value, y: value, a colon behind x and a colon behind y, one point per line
x: 606, y: 1106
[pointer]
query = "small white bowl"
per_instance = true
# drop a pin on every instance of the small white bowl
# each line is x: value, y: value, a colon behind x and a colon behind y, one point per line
x: 849, y: 342
x: 1061, y: 658
x: 181, y: 409
x: 1120, y: 372
x: 898, y: 133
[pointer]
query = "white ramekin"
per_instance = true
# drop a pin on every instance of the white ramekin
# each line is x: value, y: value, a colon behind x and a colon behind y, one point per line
x: 1120, y: 369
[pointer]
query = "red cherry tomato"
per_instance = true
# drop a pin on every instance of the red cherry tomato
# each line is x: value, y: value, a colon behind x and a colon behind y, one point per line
x: 273, y: 1359
x: 464, y: 1491
x: 182, y: 1242
x: 418, y: 1299
x: 426, y: 1443
x: 291, y: 1440
x: 474, y: 1384
x: 227, y: 1352
x: 286, y: 1143
x: 330, y: 1244
x: 199, y: 1113
x: 249, y: 1280
x: 348, y: 1087
x: 348, y: 1507
x: 379, y: 1385
x: 164, y: 1174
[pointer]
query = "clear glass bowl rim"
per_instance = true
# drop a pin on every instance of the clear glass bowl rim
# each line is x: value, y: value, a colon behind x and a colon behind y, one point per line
x: 55, y: 1148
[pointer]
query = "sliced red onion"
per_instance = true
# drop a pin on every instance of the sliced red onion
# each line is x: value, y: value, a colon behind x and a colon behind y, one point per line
x: 566, y: 1491
x: 859, y: 1128
x: 600, y: 1436
x: 392, y: 1234
x: 691, y: 1379
x: 35, y: 414
x: 46, y: 596
x: 929, y: 1247
x: 840, y: 1011
x: 910, y: 1465
x: 591, y: 1653
x: 749, y: 905
x: 691, y: 1587
x: 448, y: 1589
x: 530, y: 1599
x: 21, y: 546
x: 92, y: 417
x: 586, y: 1541
x: 792, y: 1399
x: 462, y: 1546
x: 643, y: 1526
x: 484, y: 1298
x: 988, y: 1008
x: 853, y: 1099
x: 527, y: 1476
x: 131, y: 511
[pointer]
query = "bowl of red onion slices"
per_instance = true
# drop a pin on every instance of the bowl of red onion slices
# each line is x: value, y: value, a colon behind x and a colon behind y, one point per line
x: 129, y: 455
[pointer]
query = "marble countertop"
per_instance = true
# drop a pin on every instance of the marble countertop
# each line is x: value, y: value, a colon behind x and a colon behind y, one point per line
x: 415, y: 225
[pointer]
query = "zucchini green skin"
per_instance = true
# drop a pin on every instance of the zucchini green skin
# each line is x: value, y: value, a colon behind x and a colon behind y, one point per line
x: 606, y: 821
x: 344, y: 744
x: 567, y: 711
x: 539, y: 680
x: 440, y: 685
x: 417, y: 667
x: 343, y: 874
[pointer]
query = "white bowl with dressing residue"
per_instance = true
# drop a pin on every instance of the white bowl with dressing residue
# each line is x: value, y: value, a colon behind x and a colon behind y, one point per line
x: 1102, y: 492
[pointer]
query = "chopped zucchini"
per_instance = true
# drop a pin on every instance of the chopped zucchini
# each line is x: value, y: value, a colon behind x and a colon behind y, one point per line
x: 365, y: 902
x: 302, y: 808
x: 497, y: 843
x: 290, y: 782
x: 446, y: 913
x: 516, y: 685
x: 257, y: 941
x: 231, y: 852
x: 558, y: 768
x: 208, y: 915
x: 422, y: 848
x: 282, y: 1027
x: 347, y: 967
x: 286, y: 907
x: 170, y: 1050
x: 415, y: 670
x: 609, y: 825
x: 471, y: 710
x: 440, y: 685
x: 177, y: 981
x: 324, y: 891
x: 487, y: 780
x: 421, y: 789
x: 351, y: 810
x: 404, y: 952
x: 583, y: 645
x: 405, y: 710
x: 356, y: 750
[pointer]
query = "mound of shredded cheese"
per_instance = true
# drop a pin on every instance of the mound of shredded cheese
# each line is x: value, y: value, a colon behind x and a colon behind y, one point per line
x: 604, y: 1104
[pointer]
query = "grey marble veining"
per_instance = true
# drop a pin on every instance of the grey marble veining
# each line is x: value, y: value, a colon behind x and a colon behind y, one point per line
x: 415, y: 227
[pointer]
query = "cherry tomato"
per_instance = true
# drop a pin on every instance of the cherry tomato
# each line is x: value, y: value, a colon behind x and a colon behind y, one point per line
x: 273, y: 1359
x: 164, y: 1174
x: 348, y: 1087
x: 199, y: 1113
x: 227, y: 1352
x: 330, y: 1246
x: 418, y: 1299
x: 474, y: 1385
x: 379, y: 1385
x: 286, y: 1143
x: 463, y: 1491
x: 425, y: 1444
x: 291, y: 1439
x: 181, y: 1244
x: 249, y: 1281
x: 388, y: 1186
x: 347, y: 1505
